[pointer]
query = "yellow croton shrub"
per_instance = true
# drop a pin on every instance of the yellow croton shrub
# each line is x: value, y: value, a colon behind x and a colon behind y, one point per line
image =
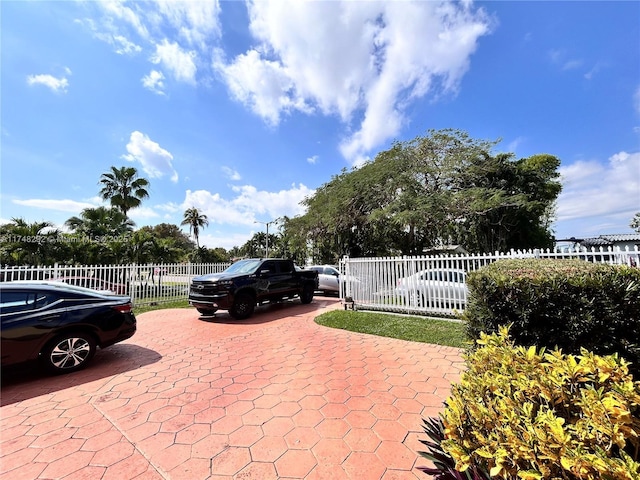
x: 524, y: 413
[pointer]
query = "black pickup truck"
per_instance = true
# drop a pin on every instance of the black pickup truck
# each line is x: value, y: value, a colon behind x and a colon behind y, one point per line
x: 251, y: 282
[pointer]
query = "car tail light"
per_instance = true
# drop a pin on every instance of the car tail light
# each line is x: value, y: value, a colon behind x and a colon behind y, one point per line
x: 124, y: 308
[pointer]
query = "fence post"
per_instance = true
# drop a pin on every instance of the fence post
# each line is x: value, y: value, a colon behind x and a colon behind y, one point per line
x: 132, y: 287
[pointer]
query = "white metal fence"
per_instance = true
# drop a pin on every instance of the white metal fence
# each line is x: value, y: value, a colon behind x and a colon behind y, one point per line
x: 435, y: 284
x: 145, y: 284
x: 420, y: 285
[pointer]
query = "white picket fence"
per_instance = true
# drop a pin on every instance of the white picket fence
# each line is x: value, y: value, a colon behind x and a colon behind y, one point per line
x: 145, y: 284
x: 393, y: 283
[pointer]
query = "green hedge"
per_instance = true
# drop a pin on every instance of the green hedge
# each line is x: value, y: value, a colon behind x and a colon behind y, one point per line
x: 571, y: 304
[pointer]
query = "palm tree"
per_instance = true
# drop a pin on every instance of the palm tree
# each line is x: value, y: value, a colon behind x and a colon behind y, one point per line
x: 29, y: 243
x: 100, y: 221
x: 123, y: 188
x: 140, y: 246
x: 196, y: 221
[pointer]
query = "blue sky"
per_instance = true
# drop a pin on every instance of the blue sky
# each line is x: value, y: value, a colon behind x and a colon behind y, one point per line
x: 243, y: 109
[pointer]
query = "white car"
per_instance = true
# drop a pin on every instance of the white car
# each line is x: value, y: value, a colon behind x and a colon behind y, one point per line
x: 434, y: 288
x: 329, y: 278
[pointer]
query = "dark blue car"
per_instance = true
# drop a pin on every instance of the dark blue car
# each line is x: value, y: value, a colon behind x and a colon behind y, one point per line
x: 60, y: 325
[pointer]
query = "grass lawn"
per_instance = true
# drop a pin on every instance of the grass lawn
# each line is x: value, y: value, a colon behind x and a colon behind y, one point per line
x: 138, y: 309
x: 403, y: 327
x: 415, y: 329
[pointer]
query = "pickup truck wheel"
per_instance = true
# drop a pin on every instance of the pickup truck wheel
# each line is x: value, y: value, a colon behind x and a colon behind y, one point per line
x: 307, y: 294
x: 243, y: 306
x: 207, y: 311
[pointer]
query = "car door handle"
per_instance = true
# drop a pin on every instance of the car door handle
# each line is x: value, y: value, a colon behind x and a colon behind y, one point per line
x: 50, y: 318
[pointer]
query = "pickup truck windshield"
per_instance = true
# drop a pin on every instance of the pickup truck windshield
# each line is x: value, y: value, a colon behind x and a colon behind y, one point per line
x: 244, y: 266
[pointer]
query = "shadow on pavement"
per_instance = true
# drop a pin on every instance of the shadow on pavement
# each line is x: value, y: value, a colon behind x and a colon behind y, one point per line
x: 26, y: 381
x: 271, y: 312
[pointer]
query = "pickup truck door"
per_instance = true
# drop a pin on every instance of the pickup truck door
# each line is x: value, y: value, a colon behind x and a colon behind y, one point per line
x: 289, y: 277
x: 272, y: 281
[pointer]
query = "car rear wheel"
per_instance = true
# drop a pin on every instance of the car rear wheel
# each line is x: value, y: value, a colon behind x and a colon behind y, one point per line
x: 68, y: 352
x: 207, y: 311
x: 243, y: 306
x: 307, y: 294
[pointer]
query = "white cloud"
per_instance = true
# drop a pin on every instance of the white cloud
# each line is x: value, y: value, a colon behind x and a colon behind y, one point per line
x: 131, y: 17
x: 362, y: 61
x: 154, y: 82
x: 231, y: 173
x: 130, y: 27
x: 196, y: 21
x: 123, y: 46
x: 560, y: 57
x: 249, y: 201
x: 262, y: 85
x: 56, y: 84
x: 170, y: 207
x: 571, y: 64
x: 109, y: 34
x: 224, y: 240
x: 594, y: 70
x: 179, y: 62
x: 273, y: 204
x: 593, y: 189
x: 59, y: 205
x: 155, y: 160
x: 140, y: 214
x: 512, y: 147
x: 217, y: 209
x: 313, y: 160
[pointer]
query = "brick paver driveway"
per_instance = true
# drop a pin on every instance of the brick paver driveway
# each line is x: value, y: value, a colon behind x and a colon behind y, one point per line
x: 273, y: 397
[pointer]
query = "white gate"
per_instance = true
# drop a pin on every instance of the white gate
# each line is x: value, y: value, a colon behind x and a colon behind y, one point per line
x: 435, y: 284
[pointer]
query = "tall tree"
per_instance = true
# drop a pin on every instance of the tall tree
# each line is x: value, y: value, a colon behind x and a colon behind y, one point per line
x: 170, y: 231
x: 440, y: 188
x: 196, y: 221
x: 171, y: 244
x: 501, y: 203
x: 123, y: 188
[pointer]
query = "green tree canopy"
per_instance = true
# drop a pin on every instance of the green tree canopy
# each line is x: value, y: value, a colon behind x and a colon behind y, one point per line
x: 29, y: 243
x: 442, y: 188
x: 172, y: 232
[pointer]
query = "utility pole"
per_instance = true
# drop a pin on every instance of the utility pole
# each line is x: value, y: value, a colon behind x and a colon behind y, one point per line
x: 267, y: 224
